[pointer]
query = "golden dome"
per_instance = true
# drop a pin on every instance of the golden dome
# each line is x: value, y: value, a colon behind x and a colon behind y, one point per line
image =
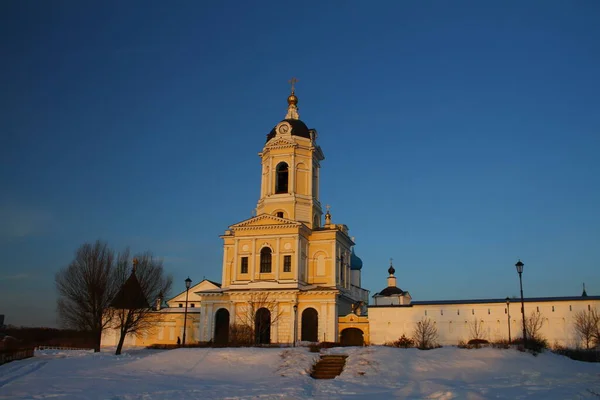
x: 292, y: 99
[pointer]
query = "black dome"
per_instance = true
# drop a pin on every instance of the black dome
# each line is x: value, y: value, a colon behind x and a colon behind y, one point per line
x: 299, y: 128
x: 390, y: 290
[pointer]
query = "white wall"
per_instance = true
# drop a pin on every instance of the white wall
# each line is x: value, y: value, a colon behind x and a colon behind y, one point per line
x: 388, y: 323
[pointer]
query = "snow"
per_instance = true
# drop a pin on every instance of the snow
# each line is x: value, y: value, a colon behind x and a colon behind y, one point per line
x: 283, y: 373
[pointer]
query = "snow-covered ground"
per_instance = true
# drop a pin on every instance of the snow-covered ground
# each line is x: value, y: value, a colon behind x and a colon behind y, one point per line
x: 371, y: 373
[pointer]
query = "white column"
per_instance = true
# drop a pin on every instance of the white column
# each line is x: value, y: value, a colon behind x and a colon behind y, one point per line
x: 270, y: 175
x: 323, y: 330
x: 277, y: 259
x: 275, y: 326
x: 293, y: 177
x: 333, y: 333
x: 253, y: 260
x: 234, y: 266
x: 209, y: 318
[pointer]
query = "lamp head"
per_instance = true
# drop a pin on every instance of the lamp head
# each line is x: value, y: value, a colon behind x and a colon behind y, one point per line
x: 188, y: 282
x: 519, y: 266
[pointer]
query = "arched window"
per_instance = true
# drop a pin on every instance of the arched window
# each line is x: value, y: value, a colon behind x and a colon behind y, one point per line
x: 265, y: 260
x: 281, y: 179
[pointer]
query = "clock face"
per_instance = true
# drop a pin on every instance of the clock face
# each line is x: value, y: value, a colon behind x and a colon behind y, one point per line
x: 284, y: 128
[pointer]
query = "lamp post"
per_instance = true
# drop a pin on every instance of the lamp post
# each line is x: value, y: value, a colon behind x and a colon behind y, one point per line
x: 295, y: 323
x: 508, y: 312
x: 188, y: 283
x: 519, y: 266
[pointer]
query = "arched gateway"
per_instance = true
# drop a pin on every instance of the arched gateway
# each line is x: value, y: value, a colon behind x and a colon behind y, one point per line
x: 262, y: 326
x: 310, y: 325
x: 222, y: 326
x: 352, y: 337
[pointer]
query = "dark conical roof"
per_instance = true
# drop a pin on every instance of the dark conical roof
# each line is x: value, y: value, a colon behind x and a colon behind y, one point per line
x: 130, y: 296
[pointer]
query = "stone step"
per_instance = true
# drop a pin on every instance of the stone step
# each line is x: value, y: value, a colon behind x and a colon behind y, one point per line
x: 329, y: 366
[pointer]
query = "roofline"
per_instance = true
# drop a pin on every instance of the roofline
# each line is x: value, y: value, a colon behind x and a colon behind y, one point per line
x: 484, y: 301
x: 180, y: 293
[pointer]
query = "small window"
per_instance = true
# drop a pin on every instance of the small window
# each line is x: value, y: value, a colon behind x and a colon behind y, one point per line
x: 425, y: 312
x: 552, y: 308
x: 441, y: 312
x: 505, y: 310
x: 180, y: 305
x: 457, y: 312
x: 280, y: 214
x: 287, y: 263
x: 473, y: 311
x: 265, y: 260
x: 193, y: 305
x: 244, y: 265
x: 570, y: 307
x: 589, y: 308
x: 489, y: 312
x: 537, y: 309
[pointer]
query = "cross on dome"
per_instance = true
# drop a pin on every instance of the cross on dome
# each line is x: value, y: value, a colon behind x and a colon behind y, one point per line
x: 293, y: 82
x: 292, y: 100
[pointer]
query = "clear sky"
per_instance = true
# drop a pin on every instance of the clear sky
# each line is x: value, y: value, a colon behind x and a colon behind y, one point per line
x: 458, y: 136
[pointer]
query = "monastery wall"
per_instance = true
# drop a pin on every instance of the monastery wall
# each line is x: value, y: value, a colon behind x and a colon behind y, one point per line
x: 453, y: 320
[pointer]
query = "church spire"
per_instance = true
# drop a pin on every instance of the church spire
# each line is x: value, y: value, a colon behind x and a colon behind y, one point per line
x: 292, y: 100
x: 584, y: 294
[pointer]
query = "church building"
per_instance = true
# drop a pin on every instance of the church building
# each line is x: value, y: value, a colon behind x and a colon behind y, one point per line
x: 290, y: 274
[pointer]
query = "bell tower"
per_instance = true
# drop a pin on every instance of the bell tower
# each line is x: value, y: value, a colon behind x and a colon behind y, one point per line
x: 290, y: 169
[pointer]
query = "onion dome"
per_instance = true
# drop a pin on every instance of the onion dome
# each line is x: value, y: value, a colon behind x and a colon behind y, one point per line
x: 355, y: 262
x: 391, y: 269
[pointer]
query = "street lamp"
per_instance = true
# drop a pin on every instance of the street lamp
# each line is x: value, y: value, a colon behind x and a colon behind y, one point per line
x: 188, y: 283
x: 508, y: 312
x: 519, y: 266
x: 295, y: 323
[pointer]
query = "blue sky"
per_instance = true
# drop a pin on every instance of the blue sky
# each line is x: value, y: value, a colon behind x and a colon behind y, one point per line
x: 458, y: 136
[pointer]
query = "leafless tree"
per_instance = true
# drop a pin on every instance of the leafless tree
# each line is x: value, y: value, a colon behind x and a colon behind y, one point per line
x: 247, y: 323
x: 533, y: 325
x: 587, y: 326
x: 425, y: 334
x: 85, y: 289
x: 154, y: 283
x: 477, y: 330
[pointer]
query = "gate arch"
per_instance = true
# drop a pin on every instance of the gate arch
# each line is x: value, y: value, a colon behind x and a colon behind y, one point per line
x: 310, y: 325
x: 352, y: 337
x: 222, y: 326
x: 262, y: 326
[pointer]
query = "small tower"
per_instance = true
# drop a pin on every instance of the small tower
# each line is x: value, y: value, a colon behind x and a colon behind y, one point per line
x: 392, y: 294
x: 584, y: 293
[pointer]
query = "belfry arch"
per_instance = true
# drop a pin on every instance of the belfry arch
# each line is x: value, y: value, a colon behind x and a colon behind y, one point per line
x: 281, y: 178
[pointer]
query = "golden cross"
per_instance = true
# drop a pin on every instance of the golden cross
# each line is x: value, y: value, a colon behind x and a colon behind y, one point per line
x: 293, y: 82
x: 391, y: 259
x: 328, y: 207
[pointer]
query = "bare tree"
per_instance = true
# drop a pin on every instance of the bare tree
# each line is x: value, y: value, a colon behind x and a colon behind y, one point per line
x: 533, y: 325
x: 587, y: 326
x: 477, y: 331
x: 248, y: 320
x: 132, y: 310
x: 85, y: 289
x: 425, y: 334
